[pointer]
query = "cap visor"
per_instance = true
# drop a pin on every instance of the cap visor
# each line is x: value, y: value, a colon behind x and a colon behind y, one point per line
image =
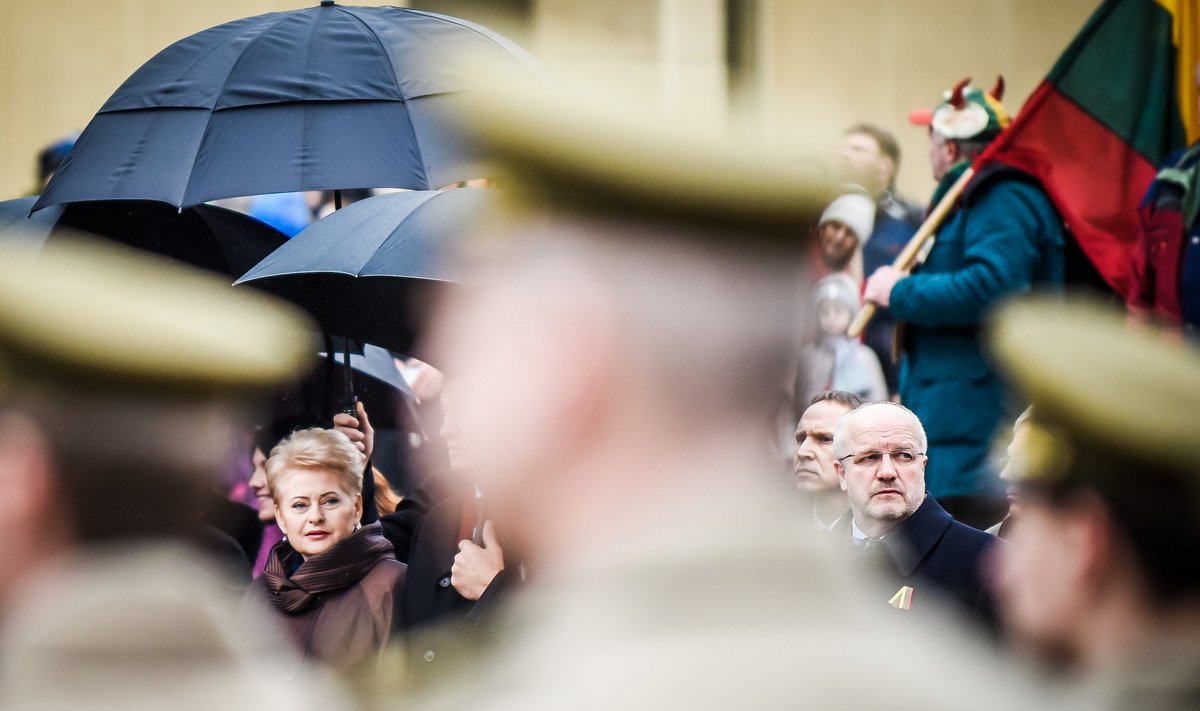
x: 921, y: 117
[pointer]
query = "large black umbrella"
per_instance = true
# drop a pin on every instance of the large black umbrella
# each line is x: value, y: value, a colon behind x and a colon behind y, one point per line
x: 372, y: 270
x: 16, y: 221
x: 327, y: 97
x: 204, y: 236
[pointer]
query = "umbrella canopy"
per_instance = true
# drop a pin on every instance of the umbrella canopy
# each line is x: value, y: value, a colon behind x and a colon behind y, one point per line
x: 370, y: 271
x: 378, y: 364
x: 204, y: 236
x: 327, y: 97
x: 16, y: 220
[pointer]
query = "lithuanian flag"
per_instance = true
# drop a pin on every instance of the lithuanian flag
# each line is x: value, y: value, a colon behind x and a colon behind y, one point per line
x: 1119, y: 100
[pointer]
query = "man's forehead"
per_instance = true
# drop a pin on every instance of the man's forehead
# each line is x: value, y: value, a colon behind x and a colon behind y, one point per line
x: 861, y: 140
x: 883, y: 424
x: 822, y: 416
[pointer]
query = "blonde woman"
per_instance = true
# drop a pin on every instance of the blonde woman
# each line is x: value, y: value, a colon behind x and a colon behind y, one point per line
x: 332, y: 583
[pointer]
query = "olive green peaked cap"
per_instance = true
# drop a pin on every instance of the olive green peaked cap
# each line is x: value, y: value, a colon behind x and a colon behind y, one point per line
x: 1099, y: 385
x: 563, y: 151
x: 82, y: 313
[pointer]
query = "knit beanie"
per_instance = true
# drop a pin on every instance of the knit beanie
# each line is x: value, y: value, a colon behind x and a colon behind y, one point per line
x: 854, y: 210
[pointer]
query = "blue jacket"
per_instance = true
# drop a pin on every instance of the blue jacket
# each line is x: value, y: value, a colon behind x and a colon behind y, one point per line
x: 895, y: 223
x: 1003, y: 238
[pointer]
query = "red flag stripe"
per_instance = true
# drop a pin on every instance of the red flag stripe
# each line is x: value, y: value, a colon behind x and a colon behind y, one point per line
x: 1094, y: 178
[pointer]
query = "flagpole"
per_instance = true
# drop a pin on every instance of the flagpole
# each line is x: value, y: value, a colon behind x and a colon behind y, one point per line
x: 924, y: 236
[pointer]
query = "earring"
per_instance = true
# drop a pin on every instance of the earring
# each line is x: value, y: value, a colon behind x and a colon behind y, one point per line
x: 357, y: 525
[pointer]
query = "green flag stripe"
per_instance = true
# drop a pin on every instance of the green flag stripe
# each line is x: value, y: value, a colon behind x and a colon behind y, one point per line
x: 1121, y: 70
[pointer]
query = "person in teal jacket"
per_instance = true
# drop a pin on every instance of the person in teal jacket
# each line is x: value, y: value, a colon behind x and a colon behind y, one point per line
x: 1003, y: 237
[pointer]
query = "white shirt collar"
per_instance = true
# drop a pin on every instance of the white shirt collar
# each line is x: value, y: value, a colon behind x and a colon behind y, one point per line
x: 857, y: 535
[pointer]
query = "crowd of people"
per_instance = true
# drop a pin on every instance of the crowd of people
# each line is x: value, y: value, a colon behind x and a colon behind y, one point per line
x: 606, y: 524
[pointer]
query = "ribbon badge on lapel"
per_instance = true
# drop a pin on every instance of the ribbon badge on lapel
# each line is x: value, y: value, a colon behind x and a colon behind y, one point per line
x: 902, y: 600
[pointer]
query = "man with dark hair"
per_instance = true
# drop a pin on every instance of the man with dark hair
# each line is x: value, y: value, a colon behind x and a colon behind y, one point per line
x: 870, y: 157
x: 1001, y: 237
x: 1100, y: 577
x: 813, y: 463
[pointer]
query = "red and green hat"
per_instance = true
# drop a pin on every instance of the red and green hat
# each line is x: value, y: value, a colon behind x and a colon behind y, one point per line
x: 966, y: 112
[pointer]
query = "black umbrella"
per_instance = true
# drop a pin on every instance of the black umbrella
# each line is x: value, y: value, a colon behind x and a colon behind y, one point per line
x: 15, y: 220
x: 327, y: 97
x: 372, y: 270
x: 204, y: 236
x: 377, y: 364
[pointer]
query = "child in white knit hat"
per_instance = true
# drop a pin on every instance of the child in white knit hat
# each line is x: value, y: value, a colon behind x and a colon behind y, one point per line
x: 836, y: 361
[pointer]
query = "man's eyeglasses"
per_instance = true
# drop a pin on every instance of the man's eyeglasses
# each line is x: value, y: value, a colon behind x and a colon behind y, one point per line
x: 901, y: 459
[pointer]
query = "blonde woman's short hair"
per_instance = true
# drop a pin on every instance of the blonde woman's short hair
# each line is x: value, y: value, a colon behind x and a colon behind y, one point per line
x: 317, y: 448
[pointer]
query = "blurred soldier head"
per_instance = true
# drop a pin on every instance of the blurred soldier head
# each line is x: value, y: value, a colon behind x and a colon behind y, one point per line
x: 1100, y: 568
x: 880, y: 451
x: 629, y: 323
x: 870, y: 157
x: 963, y: 125
x: 123, y: 384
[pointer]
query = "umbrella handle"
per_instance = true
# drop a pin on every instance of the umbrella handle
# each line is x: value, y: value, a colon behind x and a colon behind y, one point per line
x: 350, y: 405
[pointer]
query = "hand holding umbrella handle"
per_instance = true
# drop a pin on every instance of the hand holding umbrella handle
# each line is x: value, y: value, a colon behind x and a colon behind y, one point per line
x: 916, y: 246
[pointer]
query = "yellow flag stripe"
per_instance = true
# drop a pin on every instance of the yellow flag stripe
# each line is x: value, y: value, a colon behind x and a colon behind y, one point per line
x: 1185, y: 34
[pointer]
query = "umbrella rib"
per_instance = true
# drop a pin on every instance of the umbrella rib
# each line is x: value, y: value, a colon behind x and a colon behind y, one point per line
x: 183, y: 200
x: 412, y: 131
x: 273, y: 275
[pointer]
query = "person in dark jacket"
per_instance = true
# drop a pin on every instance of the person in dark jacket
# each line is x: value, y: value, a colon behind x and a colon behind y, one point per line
x: 926, y: 557
x: 1165, y: 281
x: 1002, y: 237
x: 457, y: 573
x: 332, y: 583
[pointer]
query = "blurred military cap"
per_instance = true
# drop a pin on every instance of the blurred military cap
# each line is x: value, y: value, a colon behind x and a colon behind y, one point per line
x: 1097, y: 384
x: 564, y: 150
x: 80, y: 312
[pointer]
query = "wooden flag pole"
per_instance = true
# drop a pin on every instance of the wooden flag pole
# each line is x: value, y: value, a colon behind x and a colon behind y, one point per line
x: 906, y: 260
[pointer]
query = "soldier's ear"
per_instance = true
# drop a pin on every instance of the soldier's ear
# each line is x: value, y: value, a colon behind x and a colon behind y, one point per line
x: 1089, y: 528
x: 27, y: 472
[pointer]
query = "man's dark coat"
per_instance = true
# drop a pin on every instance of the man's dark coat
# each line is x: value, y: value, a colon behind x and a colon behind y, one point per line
x: 938, y: 557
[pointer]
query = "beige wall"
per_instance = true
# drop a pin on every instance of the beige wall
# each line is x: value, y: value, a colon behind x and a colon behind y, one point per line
x: 61, y: 59
x: 824, y: 64
x: 829, y: 65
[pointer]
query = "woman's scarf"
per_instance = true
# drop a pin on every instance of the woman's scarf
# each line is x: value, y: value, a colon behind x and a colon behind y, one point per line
x: 339, y: 567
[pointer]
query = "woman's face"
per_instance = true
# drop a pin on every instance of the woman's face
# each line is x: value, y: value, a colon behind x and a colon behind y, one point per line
x: 838, y: 243
x: 314, y: 510
x: 258, y: 486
